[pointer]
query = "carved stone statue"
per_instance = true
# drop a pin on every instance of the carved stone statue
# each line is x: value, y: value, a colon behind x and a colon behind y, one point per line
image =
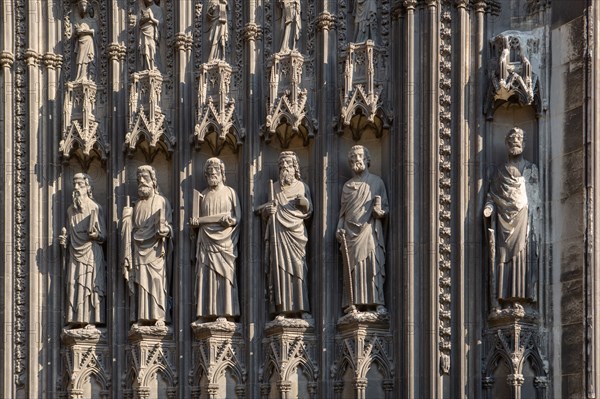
x: 219, y: 32
x: 146, y: 234
x: 86, y: 269
x: 360, y: 233
x: 291, y: 24
x: 286, y: 238
x: 216, y: 252
x: 85, y: 29
x: 365, y: 20
x: 511, y: 214
x: 151, y: 19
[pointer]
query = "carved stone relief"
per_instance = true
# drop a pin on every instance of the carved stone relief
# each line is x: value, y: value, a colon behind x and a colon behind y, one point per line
x: 513, y: 70
x: 148, y: 124
x: 146, y: 234
x: 87, y: 360
x: 218, y: 356
x: 289, y: 369
x: 362, y: 345
x: 286, y: 237
x: 217, y: 123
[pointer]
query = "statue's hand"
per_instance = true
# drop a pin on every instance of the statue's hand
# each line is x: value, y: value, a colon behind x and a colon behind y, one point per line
x: 271, y: 209
x: 194, y: 222
x: 487, y: 211
x: 339, y: 234
x: 302, y: 201
x: 93, y: 235
x: 378, y: 213
x: 62, y: 239
x: 163, y: 230
x: 227, y: 221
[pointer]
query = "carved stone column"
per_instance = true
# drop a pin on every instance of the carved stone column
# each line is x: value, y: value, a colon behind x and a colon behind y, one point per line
x: 218, y: 350
x: 289, y: 348
x: 87, y: 361
x: 150, y: 362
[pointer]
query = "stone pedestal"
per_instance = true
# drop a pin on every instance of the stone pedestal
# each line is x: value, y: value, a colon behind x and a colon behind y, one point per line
x: 218, y: 360
x: 289, y: 365
x: 364, y: 364
x: 365, y: 74
x: 81, y: 136
x: 216, y: 118
x: 146, y: 117
x: 150, y: 363
x: 515, y: 362
x: 86, y: 358
x: 288, y: 114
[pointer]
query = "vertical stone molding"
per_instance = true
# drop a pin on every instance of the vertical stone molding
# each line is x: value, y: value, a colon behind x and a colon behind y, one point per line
x: 289, y: 365
x: 87, y: 363
x: 364, y: 366
x: 218, y: 358
x: 217, y: 124
x: 150, y: 363
x: 288, y: 115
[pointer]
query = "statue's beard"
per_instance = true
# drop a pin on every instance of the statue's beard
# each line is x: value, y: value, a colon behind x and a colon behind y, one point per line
x: 144, y: 191
x: 77, y: 201
x: 358, y: 167
x: 514, y: 151
x: 213, y: 181
x: 286, y: 178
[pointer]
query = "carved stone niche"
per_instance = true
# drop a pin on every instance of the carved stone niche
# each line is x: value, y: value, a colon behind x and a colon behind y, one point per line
x: 513, y: 71
x: 364, y: 367
x: 81, y: 134
x: 289, y: 369
x: 150, y: 363
x: 365, y: 73
x: 514, y: 364
x: 148, y: 126
x: 288, y: 111
x: 86, y: 363
x: 218, y: 362
x: 217, y: 123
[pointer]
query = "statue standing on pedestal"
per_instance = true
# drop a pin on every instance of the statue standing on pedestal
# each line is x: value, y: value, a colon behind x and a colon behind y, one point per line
x: 360, y: 233
x: 365, y: 20
x: 286, y: 238
x: 146, y: 234
x: 216, y: 252
x: 85, y: 29
x: 86, y: 269
x: 219, y: 32
x: 291, y: 24
x: 511, y: 214
x: 151, y: 19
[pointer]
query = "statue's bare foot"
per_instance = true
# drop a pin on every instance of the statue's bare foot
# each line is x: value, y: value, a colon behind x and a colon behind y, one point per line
x: 89, y: 326
x: 381, y: 310
x: 160, y: 323
x: 280, y: 317
x: 306, y: 316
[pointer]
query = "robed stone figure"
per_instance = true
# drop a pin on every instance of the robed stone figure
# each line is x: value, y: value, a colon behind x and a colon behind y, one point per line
x: 291, y: 22
x: 151, y: 20
x: 85, y: 48
x: 86, y: 269
x: 289, y: 207
x: 219, y: 31
x: 146, y: 239
x: 216, y: 251
x: 511, y: 214
x: 365, y: 20
x: 360, y: 233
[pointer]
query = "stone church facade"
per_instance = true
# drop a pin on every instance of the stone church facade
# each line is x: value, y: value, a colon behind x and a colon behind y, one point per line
x: 299, y: 198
